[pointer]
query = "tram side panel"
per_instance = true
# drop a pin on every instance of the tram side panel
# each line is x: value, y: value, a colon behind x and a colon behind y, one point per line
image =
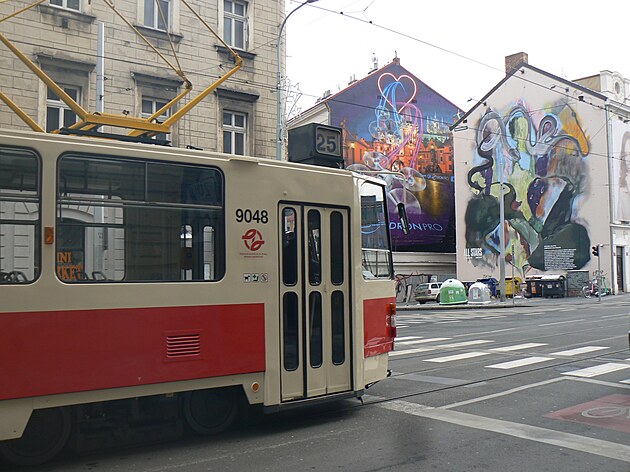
x: 85, y: 341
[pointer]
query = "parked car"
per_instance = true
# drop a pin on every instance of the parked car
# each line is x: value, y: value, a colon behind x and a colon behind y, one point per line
x: 429, y: 292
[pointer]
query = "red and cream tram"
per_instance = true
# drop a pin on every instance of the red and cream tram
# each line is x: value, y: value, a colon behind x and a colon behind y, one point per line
x: 144, y: 285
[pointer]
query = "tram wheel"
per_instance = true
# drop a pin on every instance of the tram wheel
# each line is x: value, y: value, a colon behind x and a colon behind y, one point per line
x: 45, y: 436
x: 210, y: 411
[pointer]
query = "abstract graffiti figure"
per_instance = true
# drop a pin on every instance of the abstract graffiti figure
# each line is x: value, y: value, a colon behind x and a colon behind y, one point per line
x: 541, y: 164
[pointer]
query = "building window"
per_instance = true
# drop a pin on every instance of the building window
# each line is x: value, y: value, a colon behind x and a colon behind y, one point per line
x: 68, y: 4
x: 156, y: 14
x: 58, y: 114
x: 235, y: 23
x: 149, y: 107
x: 234, y: 133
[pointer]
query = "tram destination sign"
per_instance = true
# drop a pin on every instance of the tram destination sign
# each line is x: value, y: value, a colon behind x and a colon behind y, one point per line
x: 316, y: 144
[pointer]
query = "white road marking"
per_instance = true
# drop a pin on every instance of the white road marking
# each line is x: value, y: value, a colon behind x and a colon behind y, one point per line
x: 598, y: 370
x: 532, y: 433
x: 420, y: 341
x: 517, y: 347
x: 579, y: 350
x: 560, y: 322
x: 457, y: 357
x: 520, y: 362
x: 405, y: 338
x: 466, y: 343
x: 486, y: 332
x: 409, y: 351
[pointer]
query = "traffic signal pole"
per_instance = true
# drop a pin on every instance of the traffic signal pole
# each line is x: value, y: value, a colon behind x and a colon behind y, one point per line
x: 599, y: 276
x: 595, y: 251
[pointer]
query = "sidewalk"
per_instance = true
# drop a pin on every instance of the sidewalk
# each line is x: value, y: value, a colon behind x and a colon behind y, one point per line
x: 623, y: 298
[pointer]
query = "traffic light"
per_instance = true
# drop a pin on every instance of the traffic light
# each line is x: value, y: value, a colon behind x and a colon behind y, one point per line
x: 595, y: 250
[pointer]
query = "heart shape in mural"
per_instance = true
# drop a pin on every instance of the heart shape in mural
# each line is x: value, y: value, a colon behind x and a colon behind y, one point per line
x: 399, y: 80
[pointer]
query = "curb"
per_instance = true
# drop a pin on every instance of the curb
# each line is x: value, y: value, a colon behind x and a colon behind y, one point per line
x: 523, y: 302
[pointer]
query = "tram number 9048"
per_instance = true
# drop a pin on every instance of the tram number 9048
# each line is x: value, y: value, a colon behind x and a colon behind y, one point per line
x: 248, y: 216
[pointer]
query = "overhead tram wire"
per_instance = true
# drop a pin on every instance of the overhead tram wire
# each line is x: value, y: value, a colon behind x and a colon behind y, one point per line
x: 367, y: 107
x: 272, y: 88
x: 448, y: 51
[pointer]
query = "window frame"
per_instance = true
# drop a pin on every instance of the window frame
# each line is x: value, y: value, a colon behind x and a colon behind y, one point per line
x: 36, y: 223
x: 234, y: 130
x: 376, y: 253
x: 61, y: 107
x: 156, y: 16
x: 148, y: 195
x: 154, y: 107
x: 232, y: 17
x: 64, y: 5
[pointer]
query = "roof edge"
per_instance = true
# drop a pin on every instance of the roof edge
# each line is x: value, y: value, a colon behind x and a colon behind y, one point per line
x: 516, y: 70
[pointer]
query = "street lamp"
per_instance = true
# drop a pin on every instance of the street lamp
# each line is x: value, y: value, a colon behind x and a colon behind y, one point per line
x: 279, y: 127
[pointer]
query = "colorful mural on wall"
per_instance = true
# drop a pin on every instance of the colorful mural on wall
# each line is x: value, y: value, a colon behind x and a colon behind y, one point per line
x: 620, y: 172
x: 392, y: 121
x: 540, y: 155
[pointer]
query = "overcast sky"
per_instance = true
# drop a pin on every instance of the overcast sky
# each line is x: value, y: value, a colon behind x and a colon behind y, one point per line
x: 456, y: 47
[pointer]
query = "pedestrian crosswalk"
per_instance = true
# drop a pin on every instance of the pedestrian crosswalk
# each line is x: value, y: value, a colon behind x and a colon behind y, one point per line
x: 481, y: 348
x: 519, y: 362
x: 579, y: 350
x: 598, y: 369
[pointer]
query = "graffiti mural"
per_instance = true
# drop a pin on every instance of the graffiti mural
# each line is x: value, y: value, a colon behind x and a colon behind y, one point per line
x: 540, y: 156
x: 620, y: 172
x: 393, y: 122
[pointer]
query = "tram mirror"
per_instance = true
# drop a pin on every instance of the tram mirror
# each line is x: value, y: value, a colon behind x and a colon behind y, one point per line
x: 404, y: 221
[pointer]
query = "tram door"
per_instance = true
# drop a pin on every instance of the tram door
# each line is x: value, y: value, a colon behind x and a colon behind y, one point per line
x: 315, y: 301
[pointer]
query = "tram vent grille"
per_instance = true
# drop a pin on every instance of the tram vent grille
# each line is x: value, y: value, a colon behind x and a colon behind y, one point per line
x: 183, y: 345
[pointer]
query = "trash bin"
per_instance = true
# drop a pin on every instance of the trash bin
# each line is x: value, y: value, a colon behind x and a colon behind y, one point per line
x: 534, y: 289
x: 478, y: 294
x: 452, y: 292
x: 553, y: 286
x: 492, y: 284
x: 512, y: 286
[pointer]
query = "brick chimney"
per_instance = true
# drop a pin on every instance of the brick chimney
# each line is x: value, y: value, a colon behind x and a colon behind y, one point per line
x: 513, y: 61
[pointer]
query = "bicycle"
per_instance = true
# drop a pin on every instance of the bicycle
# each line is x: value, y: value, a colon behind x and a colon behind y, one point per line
x: 592, y: 289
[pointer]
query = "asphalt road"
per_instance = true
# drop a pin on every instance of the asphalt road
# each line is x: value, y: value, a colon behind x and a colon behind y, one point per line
x: 539, y: 386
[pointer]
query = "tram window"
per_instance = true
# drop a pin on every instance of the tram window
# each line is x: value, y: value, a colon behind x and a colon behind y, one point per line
x: 314, y: 248
x: 336, y: 248
x: 20, y: 225
x: 164, y: 224
x: 315, y: 330
x: 290, y: 326
x: 187, y: 262
x: 338, y: 328
x: 376, y: 257
x: 289, y: 247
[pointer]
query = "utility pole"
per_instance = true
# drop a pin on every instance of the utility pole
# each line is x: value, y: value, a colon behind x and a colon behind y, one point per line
x: 501, y: 233
x: 100, y: 69
x: 280, y: 123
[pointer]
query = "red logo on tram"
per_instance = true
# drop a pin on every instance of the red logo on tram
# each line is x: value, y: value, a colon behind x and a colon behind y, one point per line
x: 253, y: 239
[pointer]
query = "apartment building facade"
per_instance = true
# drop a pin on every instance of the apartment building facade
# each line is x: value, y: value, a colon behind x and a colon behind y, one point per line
x: 62, y: 38
x: 556, y: 150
